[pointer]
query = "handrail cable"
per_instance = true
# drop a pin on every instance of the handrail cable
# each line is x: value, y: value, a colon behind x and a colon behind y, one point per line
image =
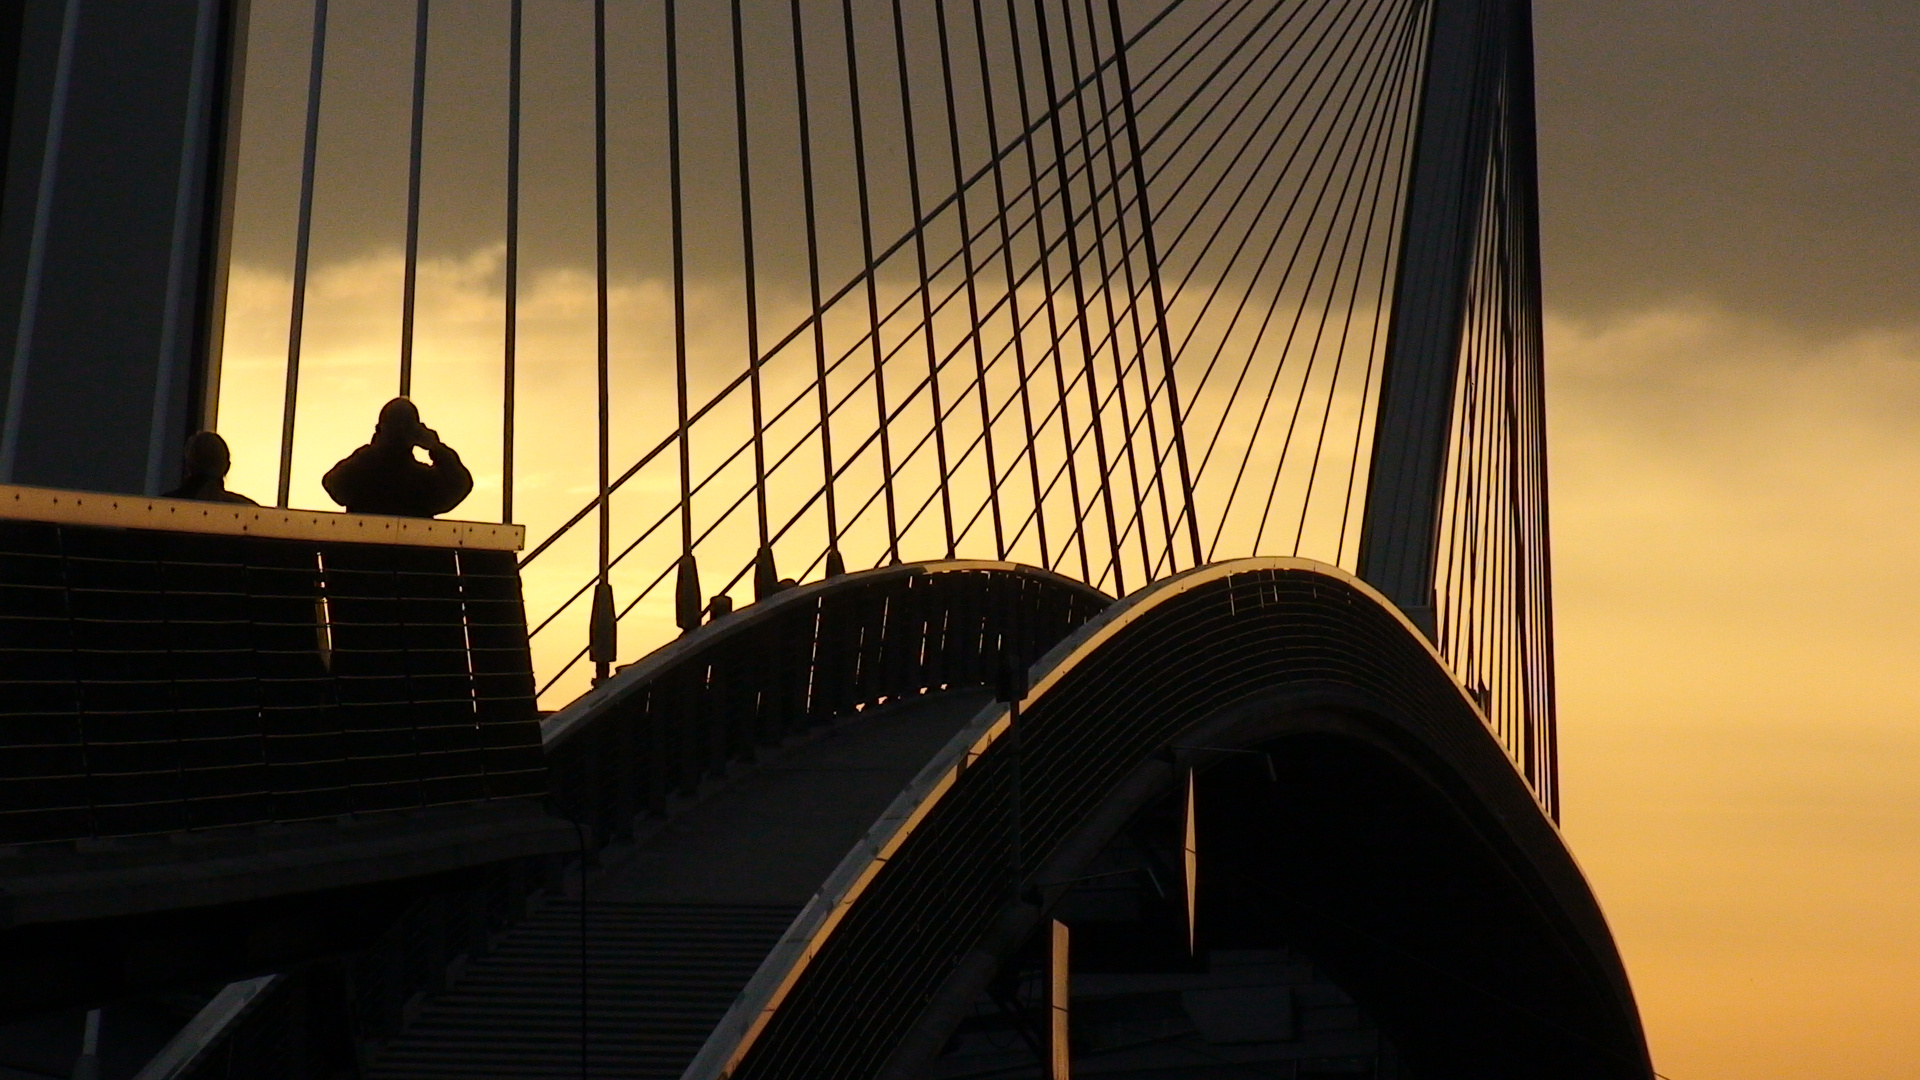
x: 510, y: 332
x: 411, y: 266
x: 1376, y: 178
x: 1055, y: 105
x: 603, y: 590
x: 820, y: 304
x: 920, y: 261
x: 302, y: 246
x: 816, y: 319
x: 1156, y: 480
x: 1030, y: 443
x: 1105, y: 280
x: 1034, y: 173
x: 1394, y: 223
x: 751, y: 275
x: 969, y: 270
x: 855, y: 111
x: 689, y: 600
x: 1313, y: 352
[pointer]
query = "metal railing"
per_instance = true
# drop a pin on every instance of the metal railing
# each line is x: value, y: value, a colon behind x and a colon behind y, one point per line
x: 805, y: 657
x: 802, y: 658
x: 155, y: 681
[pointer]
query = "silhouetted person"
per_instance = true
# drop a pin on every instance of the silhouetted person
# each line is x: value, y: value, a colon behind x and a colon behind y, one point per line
x: 384, y: 477
x: 207, y: 462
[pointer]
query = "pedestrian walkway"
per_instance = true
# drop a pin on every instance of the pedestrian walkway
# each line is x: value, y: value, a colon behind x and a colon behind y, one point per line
x: 677, y: 922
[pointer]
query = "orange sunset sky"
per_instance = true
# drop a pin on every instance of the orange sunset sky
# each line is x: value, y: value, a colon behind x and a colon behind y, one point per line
x: 1731, y: 198
x: 1731, y: 233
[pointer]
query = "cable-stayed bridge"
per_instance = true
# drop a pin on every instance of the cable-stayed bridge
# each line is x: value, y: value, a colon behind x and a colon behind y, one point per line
x: 1031, y: 530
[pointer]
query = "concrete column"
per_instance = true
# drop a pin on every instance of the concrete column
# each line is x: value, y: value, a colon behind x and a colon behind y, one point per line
x: 117, y: 175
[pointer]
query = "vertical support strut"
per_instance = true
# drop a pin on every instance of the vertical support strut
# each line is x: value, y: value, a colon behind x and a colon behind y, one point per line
x: 510, y: 336
x: 603, y: 627
x: 410, y: 284
x: 302, y: 250
x: 1059, y: 1001
x: 1400, y: 529
x: 159, y: 445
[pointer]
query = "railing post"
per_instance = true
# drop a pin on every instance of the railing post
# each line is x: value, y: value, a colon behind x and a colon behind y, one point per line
x: 1465, y: 51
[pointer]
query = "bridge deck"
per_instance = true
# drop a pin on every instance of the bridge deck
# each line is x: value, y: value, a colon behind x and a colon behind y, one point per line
x: 775, y: 834
x: 679, y: 921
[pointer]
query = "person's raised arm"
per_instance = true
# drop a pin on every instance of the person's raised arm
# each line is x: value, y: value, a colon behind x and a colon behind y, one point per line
x: 452, y: 482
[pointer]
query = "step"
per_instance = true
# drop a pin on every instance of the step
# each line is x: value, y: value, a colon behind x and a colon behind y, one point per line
x: 659, y: 977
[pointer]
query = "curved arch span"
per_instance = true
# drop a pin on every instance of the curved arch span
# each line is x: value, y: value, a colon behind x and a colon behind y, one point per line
x: 804, y: 657
x: 1393, y: 836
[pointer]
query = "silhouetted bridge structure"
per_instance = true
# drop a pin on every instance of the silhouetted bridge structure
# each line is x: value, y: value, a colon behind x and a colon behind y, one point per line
x: 1169, y: 376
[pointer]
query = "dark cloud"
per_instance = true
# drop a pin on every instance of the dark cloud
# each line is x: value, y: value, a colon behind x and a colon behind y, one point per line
x: 361, y: 180
x: 1760, y: 155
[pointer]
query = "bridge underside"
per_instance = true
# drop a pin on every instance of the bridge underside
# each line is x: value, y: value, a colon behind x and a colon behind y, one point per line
x: 1358, y: 857
x: 137, y: 915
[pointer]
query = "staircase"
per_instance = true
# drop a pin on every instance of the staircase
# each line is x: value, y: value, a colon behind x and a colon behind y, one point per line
x: 660, y: 976
x: 677, y: 923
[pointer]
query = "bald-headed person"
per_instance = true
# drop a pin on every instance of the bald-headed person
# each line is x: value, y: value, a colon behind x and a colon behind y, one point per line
x: 207, y: 460
x: 383, y: 477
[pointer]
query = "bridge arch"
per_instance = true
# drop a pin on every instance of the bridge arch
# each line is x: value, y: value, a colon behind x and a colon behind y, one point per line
x: 1394, y: 834
x: 1395, y: 840
x: 1424, y: 110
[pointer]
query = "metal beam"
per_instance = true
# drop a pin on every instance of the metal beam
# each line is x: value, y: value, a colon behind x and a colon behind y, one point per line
x: 1465, y: 51
x: 117, y: 170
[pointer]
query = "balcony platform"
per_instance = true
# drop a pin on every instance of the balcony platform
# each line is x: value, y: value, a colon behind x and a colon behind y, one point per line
x: 57, y: 507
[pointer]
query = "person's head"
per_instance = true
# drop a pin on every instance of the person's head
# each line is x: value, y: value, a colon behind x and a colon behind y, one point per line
x: 399, y: 423
x: 207, y: 455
